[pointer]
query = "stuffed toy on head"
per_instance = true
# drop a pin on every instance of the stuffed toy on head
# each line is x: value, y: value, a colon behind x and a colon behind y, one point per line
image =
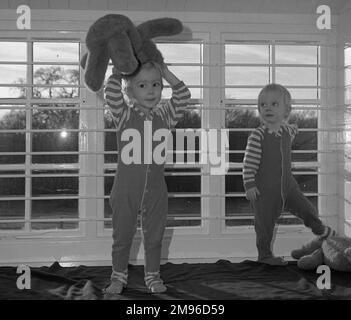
x: 115, y: 37
x: 334, y: 252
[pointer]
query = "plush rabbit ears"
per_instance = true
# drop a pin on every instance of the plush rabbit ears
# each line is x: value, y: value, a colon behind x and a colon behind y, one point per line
x: 115, y: 37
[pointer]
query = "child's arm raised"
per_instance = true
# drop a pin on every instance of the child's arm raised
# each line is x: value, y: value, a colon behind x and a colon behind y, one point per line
x: 175, y: 107
x: 114, y: 99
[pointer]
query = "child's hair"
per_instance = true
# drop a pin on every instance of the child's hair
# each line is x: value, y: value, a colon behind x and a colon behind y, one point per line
x: 282, y: 90
x: 127, y: 79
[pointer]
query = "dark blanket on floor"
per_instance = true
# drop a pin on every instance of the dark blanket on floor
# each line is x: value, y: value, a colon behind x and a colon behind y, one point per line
x: 222, y: 280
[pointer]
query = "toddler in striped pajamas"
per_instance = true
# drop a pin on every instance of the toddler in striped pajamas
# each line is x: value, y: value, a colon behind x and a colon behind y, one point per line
x: 141, y: 188
x: 268, y: 180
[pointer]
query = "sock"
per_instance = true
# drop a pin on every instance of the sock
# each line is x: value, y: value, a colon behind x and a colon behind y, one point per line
x: 154, y: 282
x: 328, y: 232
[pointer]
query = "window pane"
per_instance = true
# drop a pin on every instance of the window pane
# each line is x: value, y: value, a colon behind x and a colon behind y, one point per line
x: 184, y: 206
x: 246, y: 53
x: 55, y: 92
x: 242, y: 93
x: 12, y: 118
x: 246, y: 75
x: 241, y: 118
x: 179, y: 207
x: 11, y: 210
x: 191, y: 75
x: 196, y: 93
x: 13, y: 92
x: 52, y: 141
x: 45, y: 74
x: 248, y: 118
x: 307, y: 182
x: 11, y: 187
x: 296, y: 76
x: 304, y: 93
x: 237, y: 206
x: 12, y: 142
x: 183, y: 184
x: 55, y: 52
x: 287, y: 54
x: 42, y: 186
x: 304, y: 157
x: 13, y: 51
x: 305, y: 141
x: 191, y: 119
x: 54, y: 209
x: 234, y: 183
x: 180, y: 53
x: 13, y: 73
x: 55, y: 75
x: 304, y: 118
x: 238, y: 139
x: 57, y: 117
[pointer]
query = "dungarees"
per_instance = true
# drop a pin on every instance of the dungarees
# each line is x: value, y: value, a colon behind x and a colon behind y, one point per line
x: 267, y: 165
x: 140, y: 188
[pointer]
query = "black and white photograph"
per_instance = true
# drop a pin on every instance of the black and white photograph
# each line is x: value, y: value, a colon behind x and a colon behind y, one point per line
x: 176, y: 156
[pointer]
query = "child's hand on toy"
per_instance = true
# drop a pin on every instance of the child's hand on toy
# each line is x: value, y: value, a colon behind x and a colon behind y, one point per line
x: 252, y: 194
x: 168, y: 75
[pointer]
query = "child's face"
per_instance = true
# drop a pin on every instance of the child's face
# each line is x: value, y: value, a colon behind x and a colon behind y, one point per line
x: 146, y: 87
x: 272, y: 107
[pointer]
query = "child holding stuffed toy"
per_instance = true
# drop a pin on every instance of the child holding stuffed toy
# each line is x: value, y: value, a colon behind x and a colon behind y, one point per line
x: 141, y: 188
x: 268, y: 180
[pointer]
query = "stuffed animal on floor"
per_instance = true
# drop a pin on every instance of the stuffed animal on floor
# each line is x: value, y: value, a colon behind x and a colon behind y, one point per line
x: 115, y: 37
x: 334, y: 252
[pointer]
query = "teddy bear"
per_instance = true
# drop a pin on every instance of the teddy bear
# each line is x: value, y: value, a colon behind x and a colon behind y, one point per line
x: 115, y: 37
x: 334, y: 252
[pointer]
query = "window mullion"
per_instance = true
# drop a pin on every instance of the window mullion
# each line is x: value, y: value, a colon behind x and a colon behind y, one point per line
x: 28, y: 157
x: 272, y: 62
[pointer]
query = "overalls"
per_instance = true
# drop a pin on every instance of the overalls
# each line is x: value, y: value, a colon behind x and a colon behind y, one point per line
x: 278, y: 189
x: 140, y: 188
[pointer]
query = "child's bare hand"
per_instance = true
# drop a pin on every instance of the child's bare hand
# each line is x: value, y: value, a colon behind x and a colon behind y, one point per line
x: 252, y: 194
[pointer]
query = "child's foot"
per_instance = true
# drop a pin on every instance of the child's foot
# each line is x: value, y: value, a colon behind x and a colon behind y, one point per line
x: 154, y: 282
x: 273, y: 261
x: 118, y: 283
x: 328, y: 232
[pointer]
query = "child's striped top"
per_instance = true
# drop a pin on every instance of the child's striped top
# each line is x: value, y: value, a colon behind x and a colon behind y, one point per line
x: 170, y: 110
x: 253, y: 152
